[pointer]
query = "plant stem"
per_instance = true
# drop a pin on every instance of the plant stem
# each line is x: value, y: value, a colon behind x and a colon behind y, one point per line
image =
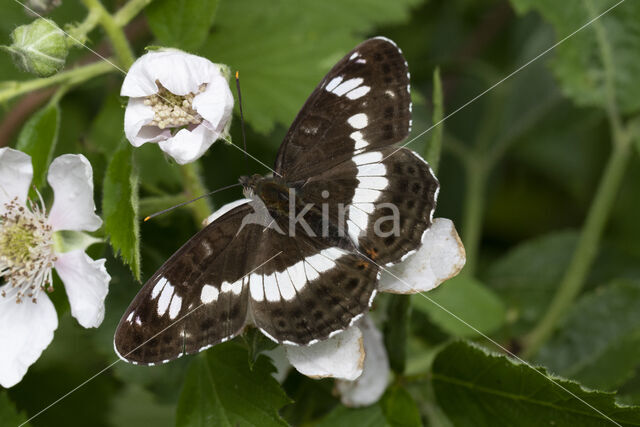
x: 434, y: 146
x: 118, y: 40
x: 473, y: 212
x: 192, y: 181
x: 586, y: 249
x: 129, y: 11
x: 76, y: 75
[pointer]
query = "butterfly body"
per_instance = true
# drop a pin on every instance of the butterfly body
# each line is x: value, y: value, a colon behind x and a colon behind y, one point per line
x: 300, y: 257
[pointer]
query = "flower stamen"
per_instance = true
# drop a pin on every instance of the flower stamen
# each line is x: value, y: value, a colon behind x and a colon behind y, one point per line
x: 171, y: 110
x: 26, y: 250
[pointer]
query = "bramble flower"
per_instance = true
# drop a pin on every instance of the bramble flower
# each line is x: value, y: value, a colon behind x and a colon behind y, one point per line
x: 181, y: 101
x: 32, y: 244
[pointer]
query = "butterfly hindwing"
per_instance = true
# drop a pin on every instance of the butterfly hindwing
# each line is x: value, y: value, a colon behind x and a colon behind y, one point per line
x: 363, y: 102
x: 310, y: 291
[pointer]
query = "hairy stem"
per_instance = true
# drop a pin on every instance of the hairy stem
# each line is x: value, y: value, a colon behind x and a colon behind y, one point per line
x: 129, y: 11
x: 473, y: 212
x: 77, y: 75
x: 194, y: 186
x: 114, y: 31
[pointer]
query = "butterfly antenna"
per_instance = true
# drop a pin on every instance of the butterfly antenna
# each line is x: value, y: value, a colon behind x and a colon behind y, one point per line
x: 244, y: 137
x: 190, y: 201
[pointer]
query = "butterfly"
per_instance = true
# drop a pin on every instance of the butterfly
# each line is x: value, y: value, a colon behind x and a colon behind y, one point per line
x: 357, y: 201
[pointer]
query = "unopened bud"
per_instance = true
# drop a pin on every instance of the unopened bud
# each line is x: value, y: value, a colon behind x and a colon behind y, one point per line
x: 39, y: 48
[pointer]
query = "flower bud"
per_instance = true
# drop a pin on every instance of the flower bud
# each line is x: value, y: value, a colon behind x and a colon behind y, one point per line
x: 39, y: 48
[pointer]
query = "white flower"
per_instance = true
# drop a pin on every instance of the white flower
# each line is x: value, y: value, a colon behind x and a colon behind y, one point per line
x: 179, y: 100
x: 32, y: 243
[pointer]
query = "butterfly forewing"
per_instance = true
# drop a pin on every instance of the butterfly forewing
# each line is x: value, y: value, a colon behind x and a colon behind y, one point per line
x: 362, y: 103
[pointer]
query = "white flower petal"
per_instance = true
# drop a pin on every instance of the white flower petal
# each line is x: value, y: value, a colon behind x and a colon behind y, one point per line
x: 341, y: 356
x: 87, y: 284
x: 370, y: 386
x: 180, y: 72
x: 224, y: 209
x: 136, y: 116
x: 16, y: 173
x: 440, y: 257
x: 71, y: 178
x: 26, y: 329
x: 187, y: 146
x: 215, y: 104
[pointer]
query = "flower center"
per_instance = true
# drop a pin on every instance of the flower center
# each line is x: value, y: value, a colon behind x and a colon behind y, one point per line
x: 26, y: 251
x: 171, y: 110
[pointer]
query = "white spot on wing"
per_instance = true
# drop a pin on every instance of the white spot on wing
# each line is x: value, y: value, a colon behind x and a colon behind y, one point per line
x: 174, y: 308
x: 287, y: 291
x: 165, y: 299
x: 354, y: 56
x: 209, y: 294
x: 361, y: 61
x: 256, y: 288
x: 347, y: 85
x: 358, y: 92
x: 358, y: 121
x: 297, y: 275
x: 364, y: 195
x: 359, y: 140
x: 130, y: 317
x: 271, y: 288
x: 373, y: 182
x: 235, y: 287
x: 333, y: 83
x: 158, y: 287
x: 365, y: 158
x: 372, y: 169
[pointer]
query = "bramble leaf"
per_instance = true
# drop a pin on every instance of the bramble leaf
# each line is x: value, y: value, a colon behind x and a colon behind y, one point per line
x: 183, y: 25
x: 599, y: 343
x: 478, y: 388
x: 221, y: 390
x: 120, y: 208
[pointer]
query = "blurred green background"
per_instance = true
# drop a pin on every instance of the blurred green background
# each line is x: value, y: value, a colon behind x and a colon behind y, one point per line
x: 519, y: 171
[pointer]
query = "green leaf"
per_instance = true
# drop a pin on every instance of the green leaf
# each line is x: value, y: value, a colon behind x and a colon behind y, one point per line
x: 371, y: 416
x: 578, y: 61
x: 221, y: 390
x: 107, y: 130
x: 184, y: 25
x: 399, y: 408
x: 8, y: 413
x: 120, y: 208
x: 283, y: 49
x: 256, y: 343
x: 396, y: 331
x: 38, y: 138
x: 477, y: 388
x: 599, y: 343
x: 468, y: 299
x: 433, y: 149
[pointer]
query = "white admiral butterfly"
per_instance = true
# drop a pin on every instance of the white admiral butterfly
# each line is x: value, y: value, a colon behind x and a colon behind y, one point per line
x: 321, y: 276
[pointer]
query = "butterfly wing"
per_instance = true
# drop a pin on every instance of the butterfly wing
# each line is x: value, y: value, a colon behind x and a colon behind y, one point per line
x: 314, y: 287
x: 189, y: 303
x: 296, y: 289
x: 382, y: 199
x: 362, y: 103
